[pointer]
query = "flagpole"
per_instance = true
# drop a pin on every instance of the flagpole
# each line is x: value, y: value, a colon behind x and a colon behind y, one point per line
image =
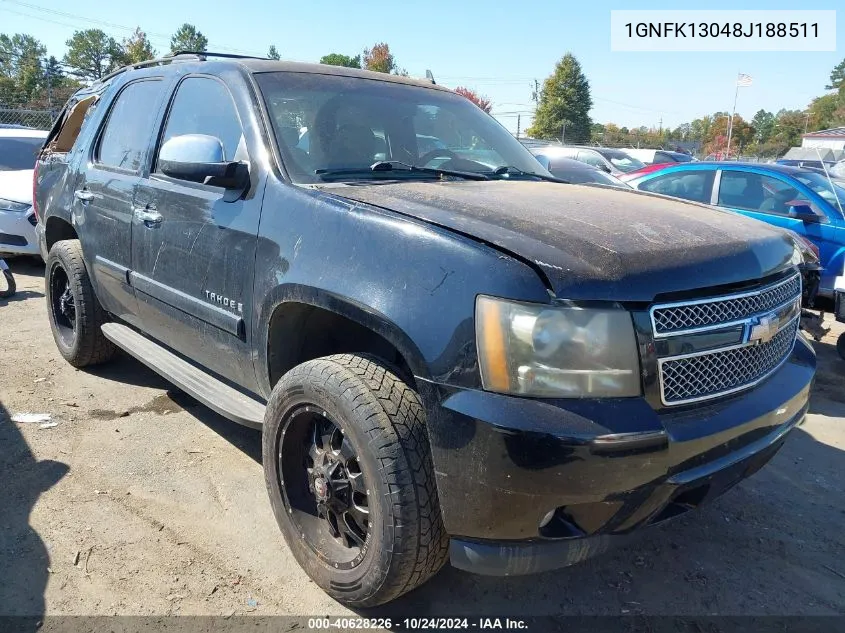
x: 733, y: 112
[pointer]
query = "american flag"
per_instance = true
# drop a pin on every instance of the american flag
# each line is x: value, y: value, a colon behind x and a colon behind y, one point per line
x: 743, y: 80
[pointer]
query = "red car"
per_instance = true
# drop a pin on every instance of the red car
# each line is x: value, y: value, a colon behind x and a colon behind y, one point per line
x: 642, y: 171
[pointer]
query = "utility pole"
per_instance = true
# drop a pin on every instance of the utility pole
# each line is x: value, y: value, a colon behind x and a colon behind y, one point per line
x: 806, y: 122
x: 660, y: 126
x: 49, y: 91
x: 518, y: 125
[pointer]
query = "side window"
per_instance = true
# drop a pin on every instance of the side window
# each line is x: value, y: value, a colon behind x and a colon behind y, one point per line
x: 689, y: 185
x: 591, y: 158
x: 756, y: 192
x: 204, y: 106
x: 661, y: 157
x: 129, y: 126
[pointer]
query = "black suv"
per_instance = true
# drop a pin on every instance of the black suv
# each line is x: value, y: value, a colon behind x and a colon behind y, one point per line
x: 449, y: 356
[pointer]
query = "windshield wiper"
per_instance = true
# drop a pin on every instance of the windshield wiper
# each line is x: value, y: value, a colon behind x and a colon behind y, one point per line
x: 391, y: 165
x: 510, y: 169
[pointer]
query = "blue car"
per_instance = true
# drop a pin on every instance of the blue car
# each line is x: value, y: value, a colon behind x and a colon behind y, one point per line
x: 795, y: 198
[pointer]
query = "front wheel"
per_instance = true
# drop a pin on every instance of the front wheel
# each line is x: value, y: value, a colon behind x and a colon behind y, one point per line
x: 74, y: 311
x: 349, y: 473
x: 840, y: 346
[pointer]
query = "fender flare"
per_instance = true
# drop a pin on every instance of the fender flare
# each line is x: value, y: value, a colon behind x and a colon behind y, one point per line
x: 341, y: 305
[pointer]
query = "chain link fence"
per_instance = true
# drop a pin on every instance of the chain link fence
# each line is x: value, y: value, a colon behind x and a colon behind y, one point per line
x: 38, y: 119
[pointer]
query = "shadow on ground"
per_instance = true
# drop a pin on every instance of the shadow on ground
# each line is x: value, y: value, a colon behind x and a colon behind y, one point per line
x: 24, y: 558
x: 772, y: 545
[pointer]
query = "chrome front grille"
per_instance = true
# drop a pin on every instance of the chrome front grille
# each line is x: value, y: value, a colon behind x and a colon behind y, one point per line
x: 769, y: 318
x: 679, y: 317
x: 709, y: 374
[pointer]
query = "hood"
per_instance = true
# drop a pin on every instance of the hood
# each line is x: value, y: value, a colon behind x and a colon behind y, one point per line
x: 595, y: 242
x: 16, y: 185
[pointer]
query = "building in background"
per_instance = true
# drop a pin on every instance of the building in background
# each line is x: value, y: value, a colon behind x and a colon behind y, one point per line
x: 833, y: 138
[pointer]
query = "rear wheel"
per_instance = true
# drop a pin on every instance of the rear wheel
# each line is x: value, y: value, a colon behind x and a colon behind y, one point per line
x: 840, y: 346
x: 349, y: 473
x: 74, y: 311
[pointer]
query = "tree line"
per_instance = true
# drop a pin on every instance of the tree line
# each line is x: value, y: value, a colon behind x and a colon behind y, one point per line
x: 29, y: 79
x: 564, y: 102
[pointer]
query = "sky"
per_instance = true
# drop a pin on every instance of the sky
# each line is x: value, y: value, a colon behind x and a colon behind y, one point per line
x: 495, y: 48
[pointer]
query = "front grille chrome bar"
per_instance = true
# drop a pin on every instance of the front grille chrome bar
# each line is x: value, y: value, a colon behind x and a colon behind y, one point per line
x: 701, y: 315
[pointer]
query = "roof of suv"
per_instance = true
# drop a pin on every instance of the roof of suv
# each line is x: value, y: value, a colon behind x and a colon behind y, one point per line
x: 261, y: 65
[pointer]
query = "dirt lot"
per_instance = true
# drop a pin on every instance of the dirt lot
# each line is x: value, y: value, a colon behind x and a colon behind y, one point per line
x: 141, y: 501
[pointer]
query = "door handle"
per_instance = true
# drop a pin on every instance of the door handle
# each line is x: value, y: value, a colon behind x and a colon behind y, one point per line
x: 83, y: 194
x: 148, y: 215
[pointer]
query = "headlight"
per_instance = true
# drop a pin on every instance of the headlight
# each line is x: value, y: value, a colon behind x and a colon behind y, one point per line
x: 9, y: 205
x: 556, y: 352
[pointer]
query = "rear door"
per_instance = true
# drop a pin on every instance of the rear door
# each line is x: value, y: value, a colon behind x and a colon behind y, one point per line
x: 104, y: 192
x: 193, y: 249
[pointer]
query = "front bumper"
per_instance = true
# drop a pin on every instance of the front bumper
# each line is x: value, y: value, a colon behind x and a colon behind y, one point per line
x: 17, y: 233
x: 506, y: 465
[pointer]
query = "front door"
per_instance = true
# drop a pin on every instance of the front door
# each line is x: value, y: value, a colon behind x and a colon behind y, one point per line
x: 105, y: 190
x: 193, y: 250
x: 768, y: 198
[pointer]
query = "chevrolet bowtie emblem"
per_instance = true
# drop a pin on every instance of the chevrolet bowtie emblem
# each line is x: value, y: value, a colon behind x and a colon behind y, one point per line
x: 764, y: 328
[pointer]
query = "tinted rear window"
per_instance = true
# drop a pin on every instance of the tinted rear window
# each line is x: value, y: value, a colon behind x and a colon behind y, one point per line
x: 19, y: 152
x: 130, y: 125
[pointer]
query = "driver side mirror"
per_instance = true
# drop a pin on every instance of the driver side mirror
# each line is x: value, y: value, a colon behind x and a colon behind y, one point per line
x: 605, y: 168
x: 199, y: 158
x: 544, y: 161
x: 802, y: 211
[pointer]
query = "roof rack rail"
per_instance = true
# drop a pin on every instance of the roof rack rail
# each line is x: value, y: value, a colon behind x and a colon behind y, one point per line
x: 204, y: 54
x: 176, y: 56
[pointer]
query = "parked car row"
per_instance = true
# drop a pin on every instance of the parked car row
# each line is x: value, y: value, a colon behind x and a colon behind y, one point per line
x: 451, y: 355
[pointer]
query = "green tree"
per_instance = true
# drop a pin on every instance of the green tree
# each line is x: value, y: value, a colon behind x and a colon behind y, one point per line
x: 379, y: 58
x: 337, y: 59
x: 20, y: 63
x: 188, y: 38
x: 837, y: 76
x: 764, y: 125
x: 272, y: 53
x: 789, y: 126
x: 565, y: 102
x: 92, y: 54
x: 822, y: 112
x: 137, y: 48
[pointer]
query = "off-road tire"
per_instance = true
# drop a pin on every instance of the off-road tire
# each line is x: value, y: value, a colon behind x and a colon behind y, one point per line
x: 88, y: 345
x: 840, y: 346
x: 385, y: 420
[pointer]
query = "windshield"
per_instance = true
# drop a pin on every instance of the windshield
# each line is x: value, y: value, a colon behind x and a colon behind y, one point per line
x: 622, y: 161
x: 331, y: 127
x: 820, y: 184
x: 18, y: 152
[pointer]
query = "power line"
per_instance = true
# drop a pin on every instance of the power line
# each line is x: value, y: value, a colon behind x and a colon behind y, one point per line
x: 160, y: 38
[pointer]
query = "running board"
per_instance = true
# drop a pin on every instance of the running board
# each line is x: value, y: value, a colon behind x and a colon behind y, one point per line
x: 213, y: 393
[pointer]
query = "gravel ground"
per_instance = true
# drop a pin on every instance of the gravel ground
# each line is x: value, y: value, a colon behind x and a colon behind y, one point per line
x: 142, y: 502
